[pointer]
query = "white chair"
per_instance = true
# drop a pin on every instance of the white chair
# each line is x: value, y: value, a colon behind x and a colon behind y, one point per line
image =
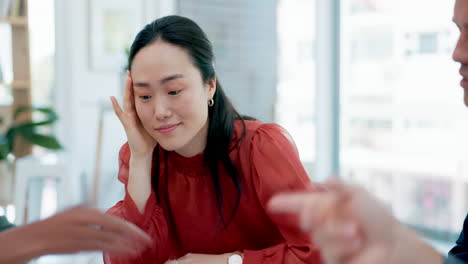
x: 31, y: 172
x: 104, y: 107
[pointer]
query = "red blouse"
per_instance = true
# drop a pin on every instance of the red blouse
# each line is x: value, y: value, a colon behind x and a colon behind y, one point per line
x: 186, y: 219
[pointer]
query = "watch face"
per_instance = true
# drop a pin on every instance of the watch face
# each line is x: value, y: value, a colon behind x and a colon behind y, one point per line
x: 235, y: 259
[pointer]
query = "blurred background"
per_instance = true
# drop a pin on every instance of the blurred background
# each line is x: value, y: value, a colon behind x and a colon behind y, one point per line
x: 367, y: 89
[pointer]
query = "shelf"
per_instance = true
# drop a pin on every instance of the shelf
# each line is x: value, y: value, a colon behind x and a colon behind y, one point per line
x: 14, y: 21
x: 17, y: 84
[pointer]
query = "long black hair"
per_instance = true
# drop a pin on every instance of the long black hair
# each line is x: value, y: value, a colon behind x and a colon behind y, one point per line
x: 185, y: 33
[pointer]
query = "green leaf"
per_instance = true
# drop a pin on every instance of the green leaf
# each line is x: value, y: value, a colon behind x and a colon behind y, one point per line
x: 46, y: 110
x: 45, y: 141
x: 50, y: 117
x: 10, y: 138
x: 27, y: 131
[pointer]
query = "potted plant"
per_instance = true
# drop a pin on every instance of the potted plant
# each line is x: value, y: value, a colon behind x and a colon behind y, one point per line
x: 29, y: 131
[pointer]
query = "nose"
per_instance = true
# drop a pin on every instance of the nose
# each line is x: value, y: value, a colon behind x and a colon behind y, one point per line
x: 460, y: 54
x: 161, y: 109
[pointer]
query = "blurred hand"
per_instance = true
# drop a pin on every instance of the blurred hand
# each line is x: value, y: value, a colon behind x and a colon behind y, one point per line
x: 352, y: 227
x: 86, y: 229
x: 74, y: 230
x: 140, y: 142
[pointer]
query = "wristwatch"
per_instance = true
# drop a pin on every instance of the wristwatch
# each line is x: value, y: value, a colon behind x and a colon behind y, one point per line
x: 235, y: 259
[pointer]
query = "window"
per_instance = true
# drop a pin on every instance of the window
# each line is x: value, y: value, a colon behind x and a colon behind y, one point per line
x: 42, y: 47
x: 428, y: 43
x: 295, y: 108
x: 6, y: 66
x: 402, y: 116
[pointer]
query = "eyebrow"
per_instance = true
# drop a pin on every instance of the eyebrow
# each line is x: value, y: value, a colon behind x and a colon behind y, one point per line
x: 162, y: 81
x: 171, y: 78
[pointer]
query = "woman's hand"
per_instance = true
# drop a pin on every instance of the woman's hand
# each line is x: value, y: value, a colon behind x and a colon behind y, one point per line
x: 140, y: 142
x: 141, y: 147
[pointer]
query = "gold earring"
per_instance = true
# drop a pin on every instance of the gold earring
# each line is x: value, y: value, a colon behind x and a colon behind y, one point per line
x: 211, y: 102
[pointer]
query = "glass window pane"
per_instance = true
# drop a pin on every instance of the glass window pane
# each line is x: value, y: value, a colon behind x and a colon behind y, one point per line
x: 403, y: 119
x: 295, y: 108
x: 6, y: 66
x: 42, y: 48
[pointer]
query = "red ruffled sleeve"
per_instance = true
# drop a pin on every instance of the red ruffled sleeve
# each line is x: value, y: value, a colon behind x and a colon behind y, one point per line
x: 276, y: 167
x: 152, y: 221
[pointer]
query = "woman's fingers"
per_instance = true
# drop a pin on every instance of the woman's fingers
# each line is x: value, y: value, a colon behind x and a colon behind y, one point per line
x: 127, y: 113
x: 128, y: 99
x: 131, y: 93
x: 117, y: 109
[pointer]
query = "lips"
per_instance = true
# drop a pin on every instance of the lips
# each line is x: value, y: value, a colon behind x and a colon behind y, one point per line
x: 165, y: 129
x: 464, y: 83
x: 464, y: 74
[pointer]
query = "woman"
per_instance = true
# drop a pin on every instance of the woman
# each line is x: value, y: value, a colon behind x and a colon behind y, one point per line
x: 198, y: 176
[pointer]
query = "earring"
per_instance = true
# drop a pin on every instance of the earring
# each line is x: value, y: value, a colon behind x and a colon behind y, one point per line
x: 211, y: 102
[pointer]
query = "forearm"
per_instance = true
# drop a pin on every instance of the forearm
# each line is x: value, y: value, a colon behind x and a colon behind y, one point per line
x: 139, y: 182
x: 410, y: 248
x: 20, y: 244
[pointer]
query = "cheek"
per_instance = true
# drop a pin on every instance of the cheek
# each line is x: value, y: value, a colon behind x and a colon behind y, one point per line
x: 144, y: 112
x: 192, y: 107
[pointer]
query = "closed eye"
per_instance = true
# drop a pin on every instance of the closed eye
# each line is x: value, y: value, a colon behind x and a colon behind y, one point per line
x: 174, y: 92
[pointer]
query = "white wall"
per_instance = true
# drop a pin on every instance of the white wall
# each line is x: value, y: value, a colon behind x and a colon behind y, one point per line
x: 244, y: 38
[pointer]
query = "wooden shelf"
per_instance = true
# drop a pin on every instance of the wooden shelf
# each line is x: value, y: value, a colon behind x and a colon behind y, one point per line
x: 14, y: 21
x: 21, y: 83
x: 17, y: 84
